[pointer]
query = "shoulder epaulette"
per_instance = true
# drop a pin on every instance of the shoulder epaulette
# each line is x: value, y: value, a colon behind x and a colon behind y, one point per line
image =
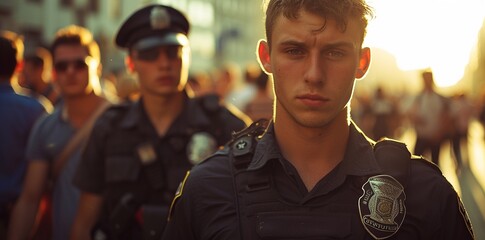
x: 394, y: 158
x: 210, y: 103
x: 115, y: 111
x: 426, y: 162
x: 244, y: 142
x: 221, y: 152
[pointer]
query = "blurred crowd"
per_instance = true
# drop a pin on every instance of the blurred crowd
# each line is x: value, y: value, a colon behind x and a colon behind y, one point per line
x: 434, y: 118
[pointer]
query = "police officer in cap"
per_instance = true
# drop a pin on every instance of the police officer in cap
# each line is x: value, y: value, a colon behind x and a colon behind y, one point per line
x: 138, y: 153
x: 312, y: 174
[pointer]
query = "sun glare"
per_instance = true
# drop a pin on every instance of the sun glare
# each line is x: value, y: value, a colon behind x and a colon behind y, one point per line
x: 436, y: 34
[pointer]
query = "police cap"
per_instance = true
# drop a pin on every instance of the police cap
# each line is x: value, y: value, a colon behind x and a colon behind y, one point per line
x: 151, y: 26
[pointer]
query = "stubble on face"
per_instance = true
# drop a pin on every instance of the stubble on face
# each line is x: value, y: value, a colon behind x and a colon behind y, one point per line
x: 162, y: 77
x: 73, y: 83
x: 314, y: 69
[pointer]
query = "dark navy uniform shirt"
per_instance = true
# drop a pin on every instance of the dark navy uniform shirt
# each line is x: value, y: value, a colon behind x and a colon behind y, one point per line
x: 125, y: 154
x: 206, y: 206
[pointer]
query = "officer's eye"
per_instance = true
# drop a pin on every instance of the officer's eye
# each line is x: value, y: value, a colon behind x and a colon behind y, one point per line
x: 174, y: 52
x: 335, y: 54
x: 294, y: 51
x: 152, y: 54
x: 149, y: 54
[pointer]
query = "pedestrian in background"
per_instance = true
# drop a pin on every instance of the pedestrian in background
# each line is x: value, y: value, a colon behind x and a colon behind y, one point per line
x: 431, y: 118
x: 55, y: 144
x: 35, y: 75
x: 18, y: 115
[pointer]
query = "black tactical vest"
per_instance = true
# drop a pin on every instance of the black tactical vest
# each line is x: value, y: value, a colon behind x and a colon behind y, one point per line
x: 264, y: 214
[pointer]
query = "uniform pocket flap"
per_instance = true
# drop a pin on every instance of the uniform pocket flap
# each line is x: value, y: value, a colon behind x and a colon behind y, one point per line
x: 303, y: 226
x: 122, y: 168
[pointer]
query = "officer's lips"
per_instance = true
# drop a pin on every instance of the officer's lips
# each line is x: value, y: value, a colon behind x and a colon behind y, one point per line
x: 312, y: 100
x: 166, y: 80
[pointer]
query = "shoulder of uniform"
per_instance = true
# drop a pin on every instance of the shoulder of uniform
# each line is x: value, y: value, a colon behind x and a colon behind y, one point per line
x: 391, y: 142
x: 393, y: 157
x: 424, y: 162
x: 222, y: 152
x: 116, y: 110
x: 212, y: 105
x: 112, y: 114
x: 210, y: 102
x: 391, y: 148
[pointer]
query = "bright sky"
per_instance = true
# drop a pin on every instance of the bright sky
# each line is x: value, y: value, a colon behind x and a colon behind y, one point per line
x: 439, y: 34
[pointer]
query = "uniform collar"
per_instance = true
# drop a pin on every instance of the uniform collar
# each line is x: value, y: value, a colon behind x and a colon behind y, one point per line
x: 192, y: 112
x: 196, y: 115
x: 358, y: 160
x: 267, y: 149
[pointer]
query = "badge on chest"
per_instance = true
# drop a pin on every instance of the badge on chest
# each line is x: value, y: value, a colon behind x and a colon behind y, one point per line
x: 381, y: 206
x: 200, y: 146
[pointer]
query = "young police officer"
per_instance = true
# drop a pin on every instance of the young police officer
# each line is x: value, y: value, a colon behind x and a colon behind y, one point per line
x: 139, y: 153
x: 311, y: 174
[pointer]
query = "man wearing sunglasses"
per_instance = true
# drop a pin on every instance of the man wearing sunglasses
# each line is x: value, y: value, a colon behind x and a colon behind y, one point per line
x: 138, y: 154
x: 76, y: 58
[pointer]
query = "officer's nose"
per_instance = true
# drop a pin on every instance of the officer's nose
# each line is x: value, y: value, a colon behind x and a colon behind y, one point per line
x: 163, y: 59
x: 315, y: 69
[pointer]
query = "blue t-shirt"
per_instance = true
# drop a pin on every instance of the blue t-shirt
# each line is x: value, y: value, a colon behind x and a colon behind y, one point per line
x: 49, y: 137
x: 17, y: 116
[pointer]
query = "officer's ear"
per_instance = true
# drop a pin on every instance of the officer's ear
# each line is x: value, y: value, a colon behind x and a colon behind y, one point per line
x: 264, y: 56
x: 364, y: 63
x: 130, y: 66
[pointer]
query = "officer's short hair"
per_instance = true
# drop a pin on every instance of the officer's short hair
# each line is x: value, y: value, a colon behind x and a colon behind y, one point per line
x: 339, y: 10
x: 77, y: 36
x: 11, y: 50
x: 151, y: 26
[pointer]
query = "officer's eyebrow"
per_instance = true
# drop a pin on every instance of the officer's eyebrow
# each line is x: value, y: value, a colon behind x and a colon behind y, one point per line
x: 339, y: 44
x: 291, y: 43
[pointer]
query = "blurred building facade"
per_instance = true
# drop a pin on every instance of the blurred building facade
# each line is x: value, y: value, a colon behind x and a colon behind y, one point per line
x: 222, y: 30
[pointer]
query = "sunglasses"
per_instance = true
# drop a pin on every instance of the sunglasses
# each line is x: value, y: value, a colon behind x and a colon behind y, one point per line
x: 152, y: 54
x: 77, y: 64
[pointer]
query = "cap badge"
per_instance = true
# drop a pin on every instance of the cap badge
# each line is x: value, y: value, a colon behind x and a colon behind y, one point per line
x: 381, y: 206
x: 159, y: 18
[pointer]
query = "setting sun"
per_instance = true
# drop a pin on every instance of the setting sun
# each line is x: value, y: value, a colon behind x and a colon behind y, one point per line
x: 440, y: 35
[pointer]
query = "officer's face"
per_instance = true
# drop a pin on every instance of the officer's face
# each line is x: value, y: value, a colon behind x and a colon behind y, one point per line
x: 73, y: 70
x: 161, y: 70
x: 314, y: 68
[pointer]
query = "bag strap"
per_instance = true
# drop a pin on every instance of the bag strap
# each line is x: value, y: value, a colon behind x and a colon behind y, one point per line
x: 81, y: 135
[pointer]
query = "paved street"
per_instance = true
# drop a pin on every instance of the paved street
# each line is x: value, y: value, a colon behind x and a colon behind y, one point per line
x: 470, y: 182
